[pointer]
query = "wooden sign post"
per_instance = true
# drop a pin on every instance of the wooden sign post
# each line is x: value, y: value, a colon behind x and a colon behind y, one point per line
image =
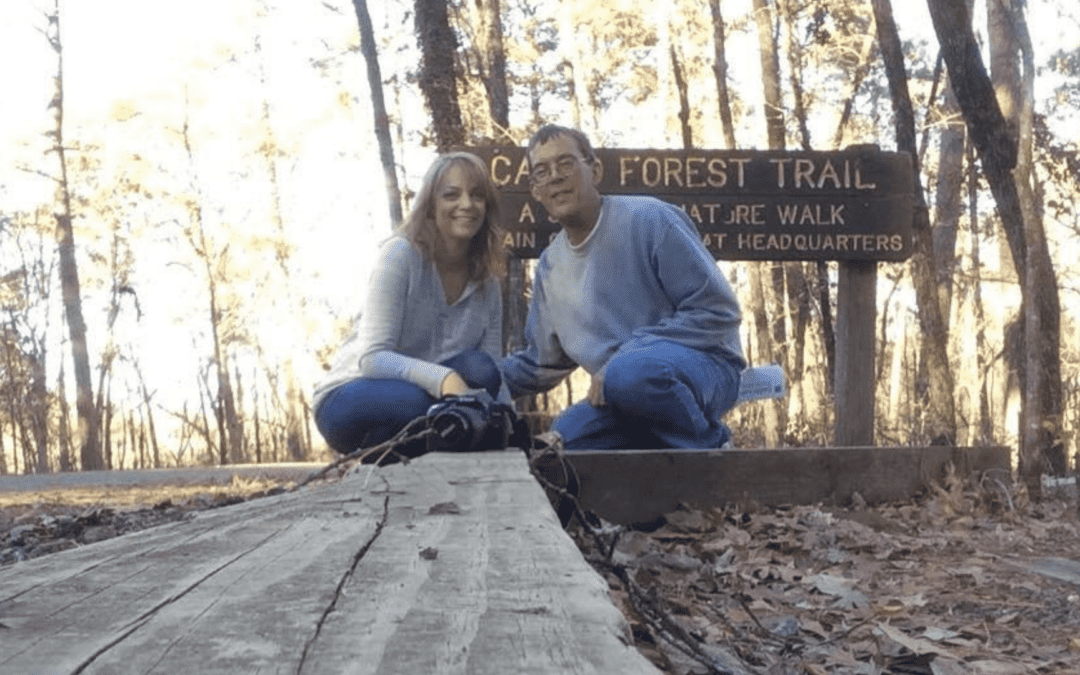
x: 854, y: 206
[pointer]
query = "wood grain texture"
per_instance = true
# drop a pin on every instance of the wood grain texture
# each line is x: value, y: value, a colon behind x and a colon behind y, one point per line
x: 451, y: 564
x: 639, y: 486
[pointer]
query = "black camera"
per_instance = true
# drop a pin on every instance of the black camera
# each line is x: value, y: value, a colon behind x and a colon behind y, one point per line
x: 471, y: 422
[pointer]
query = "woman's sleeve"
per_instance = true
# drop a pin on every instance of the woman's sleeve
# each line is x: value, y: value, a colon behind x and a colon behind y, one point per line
x: 380, y: 326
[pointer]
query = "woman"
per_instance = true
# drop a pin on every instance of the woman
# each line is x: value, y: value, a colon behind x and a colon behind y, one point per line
x: 432, y: 324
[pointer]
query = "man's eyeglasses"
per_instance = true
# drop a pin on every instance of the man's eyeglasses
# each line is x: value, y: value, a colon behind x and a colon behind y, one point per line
x: 543, y: 174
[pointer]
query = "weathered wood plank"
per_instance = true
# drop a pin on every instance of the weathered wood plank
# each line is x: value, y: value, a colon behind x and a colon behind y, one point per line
x: 498, y: 597
x: 453, y: 563
x: 856, y: 319
x: 638, y: 486
x: 142, y: 602
x: 201, y: 475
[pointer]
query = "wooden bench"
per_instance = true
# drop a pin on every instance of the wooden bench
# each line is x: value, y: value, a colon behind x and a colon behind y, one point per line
x: 454, y: 563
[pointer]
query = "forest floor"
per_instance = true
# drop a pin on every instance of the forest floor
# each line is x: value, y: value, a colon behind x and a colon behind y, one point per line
x: 33, y: 524
x: 970, y: 578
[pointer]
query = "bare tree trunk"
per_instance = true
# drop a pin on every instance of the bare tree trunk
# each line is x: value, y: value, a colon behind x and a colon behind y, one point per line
x: 947, y: 202
x: 770, y: 69
x: 108, y: 356
x: 148, y: 405
x: 63, y: 434
x: 987, y: 127
x: 774, y: 126
x: 257, y: 426
x: 438, y: 78
x: 941, y: 412
x: 795, y: 60
x: 106, y: 436
x: 572, y: 66
x: 89, y: 425
x: 828, y: 332
x: 995, y: 138
x: 796, y: 287
x: 720, y: 69
x: 684, y: 99
x: 230, y: 430
x: 862, y: 69
x: 492, y: 57
x: 378, y: 109
x: 38, y: 411
x: 985, y: 433
x: 1043, y: 449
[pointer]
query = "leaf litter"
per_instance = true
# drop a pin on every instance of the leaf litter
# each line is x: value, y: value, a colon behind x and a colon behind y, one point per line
x: 973, y: 577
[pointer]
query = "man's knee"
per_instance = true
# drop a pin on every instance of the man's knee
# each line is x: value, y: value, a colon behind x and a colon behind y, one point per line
x: 628, y: 374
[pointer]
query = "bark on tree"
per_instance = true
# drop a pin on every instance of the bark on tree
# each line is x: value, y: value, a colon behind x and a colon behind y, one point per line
x: 774, y: 126
x: 940, y: 409
x: 67, y: 460
x: 88, y: 434
x: 984, y: 426
x: 720, y: 67
x: 1012, y: 70
x: 572, y: 63
x: 947, y: 200
x: 38, y: 409
x: 996, y: 141
x: 438, y: 78
x: 492, y: 57
x: 378, y: 110
x: 770, y: 71
x: 684, y: 99
x: 796, y: 288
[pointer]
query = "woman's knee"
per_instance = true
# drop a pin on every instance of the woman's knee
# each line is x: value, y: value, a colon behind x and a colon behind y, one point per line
x: 365, y: 412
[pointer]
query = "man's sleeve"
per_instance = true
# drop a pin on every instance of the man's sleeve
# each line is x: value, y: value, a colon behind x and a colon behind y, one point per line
x: 542, y: 364
x: 707, y: 314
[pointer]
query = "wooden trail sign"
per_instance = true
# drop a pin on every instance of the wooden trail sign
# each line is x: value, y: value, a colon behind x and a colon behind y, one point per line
x: 854, y: 204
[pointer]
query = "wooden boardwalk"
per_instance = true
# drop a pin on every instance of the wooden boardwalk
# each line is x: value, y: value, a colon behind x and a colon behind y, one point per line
x: 451, y: 564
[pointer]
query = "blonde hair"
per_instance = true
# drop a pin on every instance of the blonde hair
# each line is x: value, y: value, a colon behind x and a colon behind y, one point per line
x: 485, y: 256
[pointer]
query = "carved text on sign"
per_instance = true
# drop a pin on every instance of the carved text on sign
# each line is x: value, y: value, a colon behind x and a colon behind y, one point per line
x: 853, y: 204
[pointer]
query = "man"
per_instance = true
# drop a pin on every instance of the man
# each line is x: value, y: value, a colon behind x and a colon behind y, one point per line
x: 628, y: 292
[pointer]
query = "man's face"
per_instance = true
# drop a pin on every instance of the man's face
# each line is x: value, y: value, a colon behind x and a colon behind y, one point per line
x: 564, y: 181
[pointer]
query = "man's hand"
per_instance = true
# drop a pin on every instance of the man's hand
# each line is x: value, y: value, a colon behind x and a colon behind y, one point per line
x: 453, y: 385
x: 596, y: 392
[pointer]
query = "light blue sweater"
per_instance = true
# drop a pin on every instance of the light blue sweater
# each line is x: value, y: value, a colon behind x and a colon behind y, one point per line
x: 406, y: 328
x: 641, y: 275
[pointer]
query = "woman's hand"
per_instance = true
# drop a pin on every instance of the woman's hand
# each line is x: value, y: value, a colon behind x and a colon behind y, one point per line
x: 453, y: 385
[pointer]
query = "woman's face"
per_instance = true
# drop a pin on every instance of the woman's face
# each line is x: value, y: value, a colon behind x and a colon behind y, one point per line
x: 460, y: 205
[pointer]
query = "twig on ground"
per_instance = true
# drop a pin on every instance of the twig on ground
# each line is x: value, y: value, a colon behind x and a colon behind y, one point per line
x: 718, y: 660
x: 413, y: 431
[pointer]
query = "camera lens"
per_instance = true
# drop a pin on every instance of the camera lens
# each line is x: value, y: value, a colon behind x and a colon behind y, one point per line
x: 458, y: 427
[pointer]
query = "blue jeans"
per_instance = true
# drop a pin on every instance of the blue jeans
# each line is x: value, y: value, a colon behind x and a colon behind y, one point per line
x: 659, y: 395
x: 366, y: 412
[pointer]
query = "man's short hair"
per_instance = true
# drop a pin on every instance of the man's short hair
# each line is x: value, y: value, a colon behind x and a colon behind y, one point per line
x: 551, y: 131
